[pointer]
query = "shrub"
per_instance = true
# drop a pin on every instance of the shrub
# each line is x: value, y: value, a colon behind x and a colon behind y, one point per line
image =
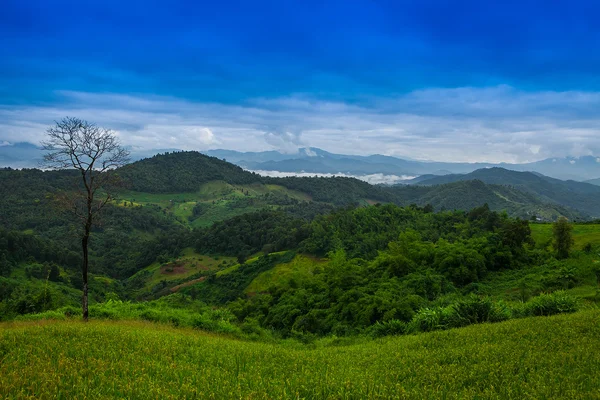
x: 550, y: 304
x: 151, y: 315
x: 103, y: 312
x: 430, y: 319
x: 471, y: 310
x: 70, y: 311
x: 53, y: 314
x: 500, y: 311
x: 387, y: 328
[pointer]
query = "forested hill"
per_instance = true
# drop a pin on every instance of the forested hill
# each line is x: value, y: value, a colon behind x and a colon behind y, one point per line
x: 581, y: 196
x: 188, y: 172
x: 594, y: 182
x: 181, y: 172
x: 465, y: 195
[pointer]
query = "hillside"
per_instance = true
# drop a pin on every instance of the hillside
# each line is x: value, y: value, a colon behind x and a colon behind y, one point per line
x: 181, y: 172
x: 148, y: 244
x: 594, y: 181
x: 285, y: 302
x: 344, y: 191
x: 141, y: 360
x: 468, y: 194
x: 583, y: 197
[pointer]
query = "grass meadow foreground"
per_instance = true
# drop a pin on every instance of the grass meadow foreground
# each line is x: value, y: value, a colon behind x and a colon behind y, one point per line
x: 534, y: 358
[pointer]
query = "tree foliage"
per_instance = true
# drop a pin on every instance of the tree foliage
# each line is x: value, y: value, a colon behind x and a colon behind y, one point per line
x: 563, y: 239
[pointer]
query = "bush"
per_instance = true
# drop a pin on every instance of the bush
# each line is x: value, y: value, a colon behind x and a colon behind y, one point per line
x: 430, y: 319
x: 54, y: 314
x: 471, y: 310
x: 501, y: 311
x: 70, y: 311
x: 387, y: 328
x: 103, y: 312
x: 551, y: 304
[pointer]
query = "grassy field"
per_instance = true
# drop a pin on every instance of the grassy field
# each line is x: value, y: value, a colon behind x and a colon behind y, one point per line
x: 300, y: 268
x: 187, y: 265
x: 217, y: 196
x: 535, y: 358
x: 582, y: 233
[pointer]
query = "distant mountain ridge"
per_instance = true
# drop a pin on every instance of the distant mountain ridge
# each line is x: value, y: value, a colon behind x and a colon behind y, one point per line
x: 594, y: 181
x: 314, y: 160
x: 186, y: 171
x: 578, y: 195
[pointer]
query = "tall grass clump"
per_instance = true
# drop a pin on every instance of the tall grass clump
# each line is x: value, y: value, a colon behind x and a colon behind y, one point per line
x: 476, y: 310
x: 550, y: 304
x: 392, y: 327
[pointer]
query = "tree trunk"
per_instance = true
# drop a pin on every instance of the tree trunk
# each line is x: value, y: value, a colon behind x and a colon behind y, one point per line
x: 84, y: 273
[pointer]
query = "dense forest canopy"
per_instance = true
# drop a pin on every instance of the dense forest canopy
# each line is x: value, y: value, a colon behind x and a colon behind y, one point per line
x: 350, y: 254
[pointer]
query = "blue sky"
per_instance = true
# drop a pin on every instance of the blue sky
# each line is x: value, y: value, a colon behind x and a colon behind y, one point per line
x: 447, y: 80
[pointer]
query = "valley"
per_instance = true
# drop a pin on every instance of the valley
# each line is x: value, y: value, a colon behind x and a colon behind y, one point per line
x: 304, y: 200
x: 313, y: 267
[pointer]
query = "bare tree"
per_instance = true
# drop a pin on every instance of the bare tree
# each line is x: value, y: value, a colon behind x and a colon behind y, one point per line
x: 95, y: 152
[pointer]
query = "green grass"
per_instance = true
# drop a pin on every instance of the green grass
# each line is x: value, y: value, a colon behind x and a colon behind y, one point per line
x: 251, y: 259
x: 282, y: 275
x: 217, y: 195
x: 187, y: 265
x: 582, y: 234
x: 219, y: 211
x: 535, y: 358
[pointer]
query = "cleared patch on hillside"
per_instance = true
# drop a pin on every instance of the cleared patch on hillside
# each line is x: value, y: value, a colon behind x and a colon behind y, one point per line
x: 289, y: 274
x: 582, y: 234
x: 213, y: 201
x: 189, y: 265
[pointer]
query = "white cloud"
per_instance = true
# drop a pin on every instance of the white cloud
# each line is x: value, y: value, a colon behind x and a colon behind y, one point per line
x: 4, y: 143
x: 493, y: 124
x: 309, y: 152
x: 374, y: 179
x: 572, y: 162
x: 535, y: 149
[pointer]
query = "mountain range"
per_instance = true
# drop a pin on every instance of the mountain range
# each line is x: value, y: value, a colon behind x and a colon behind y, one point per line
x: 312, y: 160
x: 582, y: 196
x: 523, y: 194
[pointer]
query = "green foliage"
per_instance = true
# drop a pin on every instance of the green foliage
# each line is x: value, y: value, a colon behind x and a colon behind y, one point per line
x: 430, y: 319
x: 251, y: 233
x: 336, y: 190
x: 392, y: 327
x: 563, y: 238
x: 387, y: 265
x: 181, y: 172
x: 551, y: 304
x: 471, y: 310
x: 547, y: 192
x: 471, y: 193
x: 229, y: 287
